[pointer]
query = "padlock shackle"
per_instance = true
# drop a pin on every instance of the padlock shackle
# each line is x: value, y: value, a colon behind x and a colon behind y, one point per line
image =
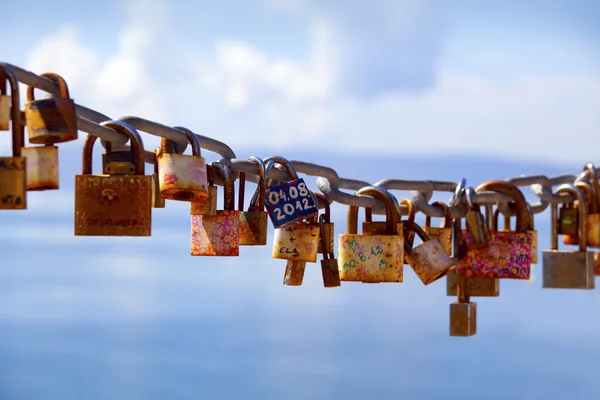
x: 17, y: 128
x: 228, y: 185
x: 136, y: 144
x: 447, y: 221
x: 321, y: 199
x: 62, y: 85
x: 257, y: 203
x: 458, y: 192
x: 411, y: 212
x: 588, y: 190
x: 581, y: 223
x: 391, y: 210
x: 192, y: 138
x: 595, y: 198
x: 284, y: 162
x: 322, y: 222
x: 157, y: 153
x: 471, y: 205
x: 524, y: 218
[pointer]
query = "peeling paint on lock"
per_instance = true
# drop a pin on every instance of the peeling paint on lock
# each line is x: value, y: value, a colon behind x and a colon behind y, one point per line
x: 42, y: 167
x: 429, y: 260
x: 298, y: 241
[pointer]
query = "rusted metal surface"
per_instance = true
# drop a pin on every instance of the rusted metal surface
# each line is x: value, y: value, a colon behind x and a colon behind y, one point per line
x: 294, y: 273
x: 254, y: 221
x: 429, y: 260
x: 42, y: 167
x: 463, y: 319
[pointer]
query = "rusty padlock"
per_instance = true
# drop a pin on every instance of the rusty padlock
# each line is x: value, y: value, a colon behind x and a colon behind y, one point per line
x: 207, y: 206
x: 118, y: 204
x: 4, y: 101
x: 182, y: 177
x: 329, y: 264
x: 254, y: 222
x: 42, y: 167
x: 218, y: 235
x: 463, y: 312
x: 476, y: 225
x: 51, y: 120
x: 443, y: 233
x: 370, y: 227
x: 429, y: 260
x: 327, y: 228
x: 593, y: 217
x: 13, y: 170
x: 294, y: 273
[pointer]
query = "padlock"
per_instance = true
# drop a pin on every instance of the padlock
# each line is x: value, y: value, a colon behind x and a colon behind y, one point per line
x: 463, y: 319
x: 207, y: 206
x: 592, y: 221
x: 327, y: 233
x: 443, y: 233
x: 508, y: 255
x: 114, y: 205
x: 291, y: 201
x: 51, y: 120
x: 182, y: 177
x: 370, y: 227
x: 567, y: 222
x: 329, y: 264
x: 429, y: 260
x: 4, y: 101
x: 157, y: 200
x: 42, y: 167
x: 254, y: 222
x: 218, y: 235
x: 476, y: 225
x: 372, y: 258
x: 532, y: 232
x: 568, y: 269
x: 294, y: 273
x: 298, y: 241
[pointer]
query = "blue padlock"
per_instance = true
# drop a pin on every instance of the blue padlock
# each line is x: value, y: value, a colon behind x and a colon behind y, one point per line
x: 291, y: 201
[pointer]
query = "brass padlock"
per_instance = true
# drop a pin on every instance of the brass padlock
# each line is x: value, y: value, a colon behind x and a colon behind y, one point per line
x: 182, y: 177
x: 51, y: 120
x: 568, y: 269
x: 254, y: 222
x: 13, y: 170
x: 591, y: 191
x: 114, y: 205
x: 4, y: 101
x: 42, y: 167
x: 463, y: 319
x: 327, y: 228
x: 157, y: 200
x: 443, y: 233
x: 370, y: 227
x: 329, y: 264
x: 475, y: 222
x: 294, y: 273
x: 429, y: 260
x: 207, y: 206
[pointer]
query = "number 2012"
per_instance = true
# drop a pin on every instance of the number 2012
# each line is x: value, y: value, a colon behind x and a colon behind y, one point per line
x: 289, y: 209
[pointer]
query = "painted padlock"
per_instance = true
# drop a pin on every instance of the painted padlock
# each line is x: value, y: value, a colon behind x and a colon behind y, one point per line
x: 51, y: 120
x: 116, y: 204
x: 297, y: 242
x: 327, y: 229
x: 291, y: 201
x: 532, y: 232
x: 254, y: 222
x: 372, y: 258
x: 207, y: 206
x: 182, y: 176
x: 508, y: 254
x: 13, y: 170
x: 443, y: 233
x: 218, y: 235
x: 429, y: 260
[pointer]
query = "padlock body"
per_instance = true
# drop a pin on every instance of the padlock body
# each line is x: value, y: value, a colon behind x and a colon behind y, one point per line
x: 182, y: 177
x: 463, y: 319
x: 13, y: 183
x: 597, y: 263
x: 290, y: 202
x: 476, y: 227
x: 379, y: 228
x: 442, y: 235
x: 294, y: 273
x: 216, y: 235
x: 508, y: 256
x: 113, y: 205
x: 51, y: 121
x: 4, y: 112
x: 477, y: 286
x: 42, y: 167
x: 298, y: 242
x: 567, y: 221
x: 566, y: 269
x: 328, y: 233
x: 330, y: 272
x: 534, y: 246
x: 430, y: 261
x: 371, y: 258
x: 253, y: 228
x: 207, y: 206
x: 157, y: 200
x: 592, y: 226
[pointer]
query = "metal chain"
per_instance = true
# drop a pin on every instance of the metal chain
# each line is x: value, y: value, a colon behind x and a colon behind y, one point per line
x: 328, y: 181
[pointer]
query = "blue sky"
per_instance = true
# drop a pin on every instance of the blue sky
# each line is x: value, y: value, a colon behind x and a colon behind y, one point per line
x: 369, y: 90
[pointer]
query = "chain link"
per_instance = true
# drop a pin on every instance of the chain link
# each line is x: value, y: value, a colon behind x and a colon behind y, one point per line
x: 328, y: 181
